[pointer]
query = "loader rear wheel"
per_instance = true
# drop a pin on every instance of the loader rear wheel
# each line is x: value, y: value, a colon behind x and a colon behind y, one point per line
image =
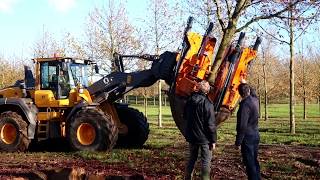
x: 13, y: 132
x: 138, y: 128
x: 92, y: 130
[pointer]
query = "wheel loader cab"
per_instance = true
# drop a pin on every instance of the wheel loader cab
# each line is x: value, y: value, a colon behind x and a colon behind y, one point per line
x: 55, y: 78
x: 58, y: 81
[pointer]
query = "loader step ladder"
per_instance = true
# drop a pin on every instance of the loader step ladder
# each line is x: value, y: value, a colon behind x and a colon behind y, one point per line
x: 43, y: 130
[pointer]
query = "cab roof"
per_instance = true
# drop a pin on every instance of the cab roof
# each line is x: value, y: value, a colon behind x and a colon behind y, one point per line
x: 63, y: 59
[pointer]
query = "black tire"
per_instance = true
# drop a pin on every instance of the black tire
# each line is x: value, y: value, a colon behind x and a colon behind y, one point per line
x: 12, y: 124
x: 138, y: 128
x: 106, y: 132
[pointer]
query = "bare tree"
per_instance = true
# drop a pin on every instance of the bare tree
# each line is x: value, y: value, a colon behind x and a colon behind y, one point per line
x: 299, y: 17
x: 48, y: 46
x: 161, y: 35
x: 11, y: 71
x: 307, y: 78
x: 109, y: 31
x: 204, y: 10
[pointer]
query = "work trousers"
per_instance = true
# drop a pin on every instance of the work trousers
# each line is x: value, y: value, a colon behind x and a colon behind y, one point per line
x: 249, y: 151
x: 206, y: 156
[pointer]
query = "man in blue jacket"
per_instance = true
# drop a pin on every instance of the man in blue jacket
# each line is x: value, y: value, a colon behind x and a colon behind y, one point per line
x: 247, y: 131
x: 201, y: 130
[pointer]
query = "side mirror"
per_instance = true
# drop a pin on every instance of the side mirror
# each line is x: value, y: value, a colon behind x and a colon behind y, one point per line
x: 96, y: 68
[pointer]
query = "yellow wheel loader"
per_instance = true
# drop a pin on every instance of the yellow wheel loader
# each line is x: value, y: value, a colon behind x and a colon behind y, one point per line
x: 59, y: 103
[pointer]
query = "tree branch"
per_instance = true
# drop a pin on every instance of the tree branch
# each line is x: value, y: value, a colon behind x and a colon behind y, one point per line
x: 228, y: 8
x: 218, y: 10
x: 303, y: 31
x: 255, y: 19
x: 273, y: 36
x: 239, y: 6
x: 253, y: 3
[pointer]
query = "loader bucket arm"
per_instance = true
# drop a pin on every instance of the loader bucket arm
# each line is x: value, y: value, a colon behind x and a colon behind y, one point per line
x: 113, y: 86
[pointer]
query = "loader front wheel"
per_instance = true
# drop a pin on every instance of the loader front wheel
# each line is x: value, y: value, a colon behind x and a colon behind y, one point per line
x: 92, y: 130
x: 138, y: 128
x: 13, y: 132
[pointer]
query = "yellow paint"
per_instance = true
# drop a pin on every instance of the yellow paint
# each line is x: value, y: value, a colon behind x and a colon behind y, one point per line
x: 44, y: 116
x: 45, y: 98
x: 85, y: 95
x: 11, y: 92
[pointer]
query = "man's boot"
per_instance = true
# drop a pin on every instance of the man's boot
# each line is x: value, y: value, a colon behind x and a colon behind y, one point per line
x: 205, y: 175
x: 188, y: 175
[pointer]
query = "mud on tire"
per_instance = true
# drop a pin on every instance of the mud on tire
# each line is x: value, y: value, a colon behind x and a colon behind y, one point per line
x: 80, y: 135
x: 138, y: 128
x: 13, y: 132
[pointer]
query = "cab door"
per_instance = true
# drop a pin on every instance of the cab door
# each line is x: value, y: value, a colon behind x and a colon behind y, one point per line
x: 54, y: 85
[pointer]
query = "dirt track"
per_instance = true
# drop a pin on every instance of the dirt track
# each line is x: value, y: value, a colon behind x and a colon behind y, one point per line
x: 277, y: 161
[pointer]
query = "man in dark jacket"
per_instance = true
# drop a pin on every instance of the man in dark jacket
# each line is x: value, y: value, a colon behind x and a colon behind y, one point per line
x: 247, y: 131
x: 201, y: 130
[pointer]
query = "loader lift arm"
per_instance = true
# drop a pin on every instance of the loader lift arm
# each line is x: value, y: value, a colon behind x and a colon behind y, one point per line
x: 113, y: 86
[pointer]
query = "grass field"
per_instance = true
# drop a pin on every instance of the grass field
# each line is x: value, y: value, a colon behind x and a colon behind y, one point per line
x: 281, y: 155
x: 282, y: 110
x: 273, y: 131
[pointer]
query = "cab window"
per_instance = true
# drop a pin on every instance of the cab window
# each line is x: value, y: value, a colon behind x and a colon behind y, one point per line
x: 49, y: 77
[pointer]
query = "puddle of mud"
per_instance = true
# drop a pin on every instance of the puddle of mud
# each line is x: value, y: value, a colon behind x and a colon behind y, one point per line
x: 69, y: 174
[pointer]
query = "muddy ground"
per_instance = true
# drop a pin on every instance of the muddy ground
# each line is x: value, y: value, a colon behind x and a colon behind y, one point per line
x: 277, y: 162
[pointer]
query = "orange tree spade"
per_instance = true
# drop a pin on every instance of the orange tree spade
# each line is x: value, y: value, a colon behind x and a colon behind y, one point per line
x: 234, y: 16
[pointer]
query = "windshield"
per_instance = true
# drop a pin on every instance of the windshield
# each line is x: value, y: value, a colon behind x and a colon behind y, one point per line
x: 79, y: 74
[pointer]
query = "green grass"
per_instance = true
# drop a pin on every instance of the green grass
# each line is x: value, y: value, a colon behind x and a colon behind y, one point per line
x: 273, y: 131
x: 282, y: 110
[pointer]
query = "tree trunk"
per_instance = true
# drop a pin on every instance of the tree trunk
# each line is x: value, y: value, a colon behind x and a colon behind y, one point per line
x: 160, y: 106
x: 228, y: 33
x: 2, y: 81
x: 165, y: 101
x: 265, y: 90
x: 136, y: 100
x: 319, y: 103
x: 260, y: 113
x: 304, y: 87
x: 225, y: 42
x: 304, y: 105
x: 292, y: 99
x: 145, y: 102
